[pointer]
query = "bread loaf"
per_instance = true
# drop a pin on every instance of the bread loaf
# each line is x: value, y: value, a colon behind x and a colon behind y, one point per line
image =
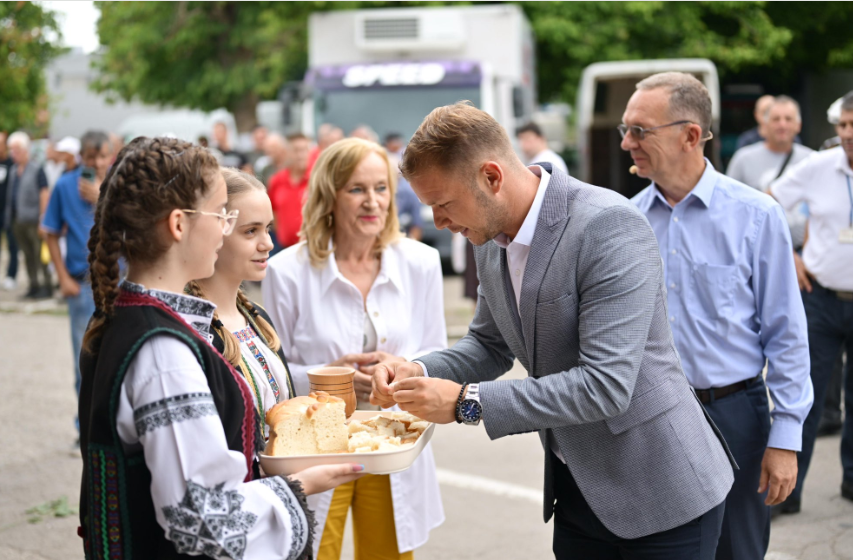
x: 307, y: 426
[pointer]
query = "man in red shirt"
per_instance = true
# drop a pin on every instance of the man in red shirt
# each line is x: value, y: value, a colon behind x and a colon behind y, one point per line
x: 287, y: 190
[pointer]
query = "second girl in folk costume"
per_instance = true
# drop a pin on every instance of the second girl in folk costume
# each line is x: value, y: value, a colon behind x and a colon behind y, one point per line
x: 242, y: 330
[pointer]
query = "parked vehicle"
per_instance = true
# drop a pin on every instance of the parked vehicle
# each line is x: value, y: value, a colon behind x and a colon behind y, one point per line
x: 604, y: 92
x: 388, y: 68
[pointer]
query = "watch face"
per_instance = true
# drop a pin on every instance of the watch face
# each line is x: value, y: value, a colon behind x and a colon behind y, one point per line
x: 471, y: 411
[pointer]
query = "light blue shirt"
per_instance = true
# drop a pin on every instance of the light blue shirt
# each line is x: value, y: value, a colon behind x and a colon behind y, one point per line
x: 732, y: 294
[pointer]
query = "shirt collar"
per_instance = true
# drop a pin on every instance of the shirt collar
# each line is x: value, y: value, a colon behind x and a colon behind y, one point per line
x: 195, y: 311
x: 389, y: 270
x: 843, y: 163
x: 704, y: 189
x: 528, y: 227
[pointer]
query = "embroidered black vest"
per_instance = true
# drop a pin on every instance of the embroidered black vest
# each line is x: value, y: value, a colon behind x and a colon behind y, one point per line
x: 117, y: 515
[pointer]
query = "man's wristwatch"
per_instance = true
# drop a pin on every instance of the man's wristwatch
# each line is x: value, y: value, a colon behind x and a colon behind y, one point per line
x: 469, y: 410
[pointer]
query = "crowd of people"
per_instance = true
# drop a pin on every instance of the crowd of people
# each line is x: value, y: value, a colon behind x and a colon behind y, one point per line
x: 655, y: 331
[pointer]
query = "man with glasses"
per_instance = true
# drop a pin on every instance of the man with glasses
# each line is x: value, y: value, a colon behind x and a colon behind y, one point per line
x: 732, y: 299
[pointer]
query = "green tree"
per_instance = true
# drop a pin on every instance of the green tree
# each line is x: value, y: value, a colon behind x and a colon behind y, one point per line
x: 207, y: 55
x: 572, y: 35
x: 26, y: 47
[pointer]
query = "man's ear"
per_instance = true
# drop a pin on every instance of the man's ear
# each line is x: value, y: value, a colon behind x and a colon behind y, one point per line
x: 693, y: 139
x: 176, y: 224
x: 494, y: 175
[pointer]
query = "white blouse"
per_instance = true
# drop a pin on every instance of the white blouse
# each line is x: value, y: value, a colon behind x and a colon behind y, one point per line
x: 166, y: 408
x: 319, y: 317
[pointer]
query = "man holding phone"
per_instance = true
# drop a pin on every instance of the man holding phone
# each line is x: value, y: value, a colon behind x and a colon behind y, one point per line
x: 71, y: 212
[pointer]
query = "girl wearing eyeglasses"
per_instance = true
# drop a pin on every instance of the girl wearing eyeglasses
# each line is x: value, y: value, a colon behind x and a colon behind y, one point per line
x: 242, y: 330
x: 169, y: 428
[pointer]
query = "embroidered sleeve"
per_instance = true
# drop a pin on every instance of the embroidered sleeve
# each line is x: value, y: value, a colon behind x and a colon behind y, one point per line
x: 197, y: 484
x: 165, y: 412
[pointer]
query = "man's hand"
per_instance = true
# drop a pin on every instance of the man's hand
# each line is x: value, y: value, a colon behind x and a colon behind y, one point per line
x: 432, y: 399
x: 68, y: 286
x: 89, y: 191
x: 386, y: 373
x: 376, y: 358
x: 364, y: 372
x: 804, y: 277
x: 778, y: 475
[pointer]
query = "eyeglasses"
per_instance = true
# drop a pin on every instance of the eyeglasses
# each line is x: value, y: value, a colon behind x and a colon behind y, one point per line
x: 639, y: 132
x: 228, y: 220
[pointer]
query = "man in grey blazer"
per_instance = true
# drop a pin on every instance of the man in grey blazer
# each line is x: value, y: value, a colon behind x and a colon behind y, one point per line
x: 570, y: 284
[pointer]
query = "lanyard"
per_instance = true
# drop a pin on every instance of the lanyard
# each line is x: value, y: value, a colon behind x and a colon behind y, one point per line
x: 850, y: 194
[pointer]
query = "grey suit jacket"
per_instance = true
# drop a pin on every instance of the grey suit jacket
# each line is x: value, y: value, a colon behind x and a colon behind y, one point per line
x: 604, y: 374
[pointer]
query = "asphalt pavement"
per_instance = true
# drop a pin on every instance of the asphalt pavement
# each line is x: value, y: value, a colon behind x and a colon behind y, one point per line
x: 491, y: 490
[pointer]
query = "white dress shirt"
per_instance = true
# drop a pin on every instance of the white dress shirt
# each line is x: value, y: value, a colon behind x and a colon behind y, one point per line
x: 517, y: 251
x: 319, y: 317
x: 824, y: 181
x: 166, y: 408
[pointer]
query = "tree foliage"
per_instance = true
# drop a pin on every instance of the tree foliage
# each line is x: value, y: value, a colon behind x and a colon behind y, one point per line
x: 231, y: 54
x: 207, y: 55
x: 572, y: 35
x: 28, y: 41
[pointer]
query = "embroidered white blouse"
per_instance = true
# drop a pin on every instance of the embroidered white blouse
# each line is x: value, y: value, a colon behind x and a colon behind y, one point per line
x: 266, y: 368
x: 197, y: 483
x: 319, y: 317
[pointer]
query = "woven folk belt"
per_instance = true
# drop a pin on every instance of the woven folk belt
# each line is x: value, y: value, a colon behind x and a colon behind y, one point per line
x: 717, y: 393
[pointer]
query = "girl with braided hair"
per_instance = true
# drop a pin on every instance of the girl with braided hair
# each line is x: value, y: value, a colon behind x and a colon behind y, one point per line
x: 168, y: 427
x: 242, y: 330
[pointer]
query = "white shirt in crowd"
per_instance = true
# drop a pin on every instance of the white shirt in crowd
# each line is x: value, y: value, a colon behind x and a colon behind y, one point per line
x: 824, y: 181
x: 319, y: 317
x: 550, y: 156
x: 166, y: 407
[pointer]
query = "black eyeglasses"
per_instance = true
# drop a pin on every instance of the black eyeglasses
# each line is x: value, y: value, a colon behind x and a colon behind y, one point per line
x: 639, y: 132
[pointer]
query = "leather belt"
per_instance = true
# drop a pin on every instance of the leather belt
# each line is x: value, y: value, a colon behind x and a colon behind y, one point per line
x: 717, y: 393
x: 839, y: 294
x: 843, y: 296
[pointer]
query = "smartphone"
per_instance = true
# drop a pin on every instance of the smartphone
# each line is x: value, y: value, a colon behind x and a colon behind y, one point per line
x: 88, y: 173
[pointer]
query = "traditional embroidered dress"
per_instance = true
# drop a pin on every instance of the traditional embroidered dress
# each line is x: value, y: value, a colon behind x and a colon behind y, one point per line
x: 268, y: 374
x: 167, y: 437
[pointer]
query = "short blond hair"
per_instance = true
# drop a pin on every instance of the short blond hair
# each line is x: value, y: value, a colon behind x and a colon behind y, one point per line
x: 333, y: 170
x: 453, y: 138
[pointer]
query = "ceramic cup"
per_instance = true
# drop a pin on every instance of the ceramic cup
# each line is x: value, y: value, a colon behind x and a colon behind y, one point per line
x: 337, y: 381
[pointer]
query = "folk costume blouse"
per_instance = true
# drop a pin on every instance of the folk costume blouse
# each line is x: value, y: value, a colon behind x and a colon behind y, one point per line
x: 268, y: 376
x: 319, y: 317
x: 198, y: 486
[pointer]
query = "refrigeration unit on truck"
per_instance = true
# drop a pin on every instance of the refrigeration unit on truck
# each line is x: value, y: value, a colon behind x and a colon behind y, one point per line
x: 388, y: 68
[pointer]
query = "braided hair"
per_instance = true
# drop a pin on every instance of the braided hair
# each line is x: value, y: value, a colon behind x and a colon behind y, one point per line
x: 237, y: 183
x: 151, y: 178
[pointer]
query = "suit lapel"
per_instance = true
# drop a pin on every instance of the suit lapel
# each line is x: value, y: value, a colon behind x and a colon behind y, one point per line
x: 553, y: 218
x: 509, y: 297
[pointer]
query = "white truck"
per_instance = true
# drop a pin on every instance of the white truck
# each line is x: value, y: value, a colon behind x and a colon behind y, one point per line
x: 388, y: 68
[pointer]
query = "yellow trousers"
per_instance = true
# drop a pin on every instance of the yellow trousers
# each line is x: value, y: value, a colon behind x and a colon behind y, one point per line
x: 374, y: 532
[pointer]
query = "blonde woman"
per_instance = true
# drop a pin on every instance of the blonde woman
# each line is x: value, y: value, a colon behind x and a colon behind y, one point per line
x: 355, y: 292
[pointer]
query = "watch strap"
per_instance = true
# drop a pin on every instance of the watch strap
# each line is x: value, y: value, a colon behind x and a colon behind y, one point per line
x: 459, y: 403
